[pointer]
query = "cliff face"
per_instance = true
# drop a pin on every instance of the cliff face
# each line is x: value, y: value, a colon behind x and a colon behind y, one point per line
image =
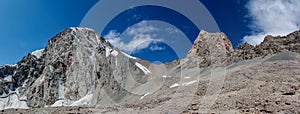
x: 77, y: 63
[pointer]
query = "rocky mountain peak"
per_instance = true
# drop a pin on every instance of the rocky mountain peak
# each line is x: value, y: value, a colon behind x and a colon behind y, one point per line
x: 211, y: 47
x: 77, y: 66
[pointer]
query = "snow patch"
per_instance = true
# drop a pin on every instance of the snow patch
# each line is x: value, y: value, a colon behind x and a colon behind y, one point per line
x: 8, y: 78
x: 39, y: 80
x: 38, y: 53
x: 59, y: 103
x: 183, y: 84
x: 83, y: 101
x: 107, y: 51
x: 12, y: 102
x: 128, y: 55
x: 98, y: 39
x: 189, y: 83
x: 114, y: 53
x: 166, y: 76
x: 144, y: 69
x: 61, y: 91
x: 24, y: 96
x: 174, y: 85
x: 81, y: 28
x: 144, y: 95
x: 14, y: 65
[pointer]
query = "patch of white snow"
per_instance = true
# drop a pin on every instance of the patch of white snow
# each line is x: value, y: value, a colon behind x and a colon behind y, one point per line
x: 144, y: 69
x: 107, y: 51
x: 144, y: 95
x: 114, y: 53
x: 14, y: 65
x: 83, y: 101
x: 174, y: 85
x: 61, y: 91
x: 8, y: 78
x: 166, y: 76
x: 189, y: 83
x: 183, y: 84
x: 128, y: 55
x: 12, y: 102
x: 38, y: 53
x: 59, y: 103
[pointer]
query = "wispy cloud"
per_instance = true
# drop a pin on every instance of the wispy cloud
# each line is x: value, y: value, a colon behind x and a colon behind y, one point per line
x: 141, y: 36
x: 156, y: 48
x: 272, y: 17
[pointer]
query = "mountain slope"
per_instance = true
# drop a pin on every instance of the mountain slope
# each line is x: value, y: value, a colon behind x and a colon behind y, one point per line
x: 80, y: 72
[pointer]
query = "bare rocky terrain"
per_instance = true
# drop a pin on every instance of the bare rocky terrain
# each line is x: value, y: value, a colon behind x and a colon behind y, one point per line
x: 249, y: 79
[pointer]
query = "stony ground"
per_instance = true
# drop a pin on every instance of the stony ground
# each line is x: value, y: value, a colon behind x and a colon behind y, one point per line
x: 261, y: 85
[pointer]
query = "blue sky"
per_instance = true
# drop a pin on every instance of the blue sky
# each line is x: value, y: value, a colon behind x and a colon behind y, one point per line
x: 27, y: 25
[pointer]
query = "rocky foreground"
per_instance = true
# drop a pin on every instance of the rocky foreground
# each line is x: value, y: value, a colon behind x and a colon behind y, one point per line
x: 80, y: 72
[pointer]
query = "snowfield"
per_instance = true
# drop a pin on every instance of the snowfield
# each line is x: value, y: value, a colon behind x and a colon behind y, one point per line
x: 38, y: 53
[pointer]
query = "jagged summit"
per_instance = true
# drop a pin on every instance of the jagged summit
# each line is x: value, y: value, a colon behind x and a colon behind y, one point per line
x: 77, y: 66
x: 209, y: 44
x: 212, y: 47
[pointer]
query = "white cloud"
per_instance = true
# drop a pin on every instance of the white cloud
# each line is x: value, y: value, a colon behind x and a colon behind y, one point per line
x: 172, y: 30
x: 272, y: 17
x: 142, y: 35
x: 141, y: 28
x: 112, y: 34
x: 156, y: 48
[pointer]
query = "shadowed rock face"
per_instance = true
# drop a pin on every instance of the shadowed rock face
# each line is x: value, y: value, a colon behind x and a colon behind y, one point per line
x: 6, y: 70
x: 243, y: 52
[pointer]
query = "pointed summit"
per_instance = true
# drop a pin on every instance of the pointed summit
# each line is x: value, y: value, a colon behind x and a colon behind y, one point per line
x: 211, y: 46
x: 210, y: 43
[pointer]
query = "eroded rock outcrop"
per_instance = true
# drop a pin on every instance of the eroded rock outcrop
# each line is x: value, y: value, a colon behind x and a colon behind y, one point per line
x: 214, y: 48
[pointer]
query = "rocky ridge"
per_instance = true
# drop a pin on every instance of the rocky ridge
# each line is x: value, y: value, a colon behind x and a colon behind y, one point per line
x: 270, y: 45
x: 217, y: 48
